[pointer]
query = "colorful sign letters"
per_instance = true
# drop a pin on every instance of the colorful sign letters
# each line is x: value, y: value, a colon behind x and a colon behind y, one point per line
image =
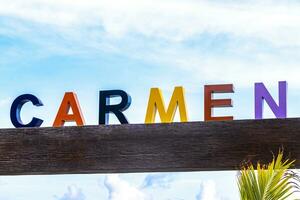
x: 156, y: 105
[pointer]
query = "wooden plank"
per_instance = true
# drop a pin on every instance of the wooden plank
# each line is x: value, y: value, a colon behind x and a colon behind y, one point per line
x: 145, y: 148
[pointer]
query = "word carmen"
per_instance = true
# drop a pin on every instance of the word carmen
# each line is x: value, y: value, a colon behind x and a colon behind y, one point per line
x: 155, y: 105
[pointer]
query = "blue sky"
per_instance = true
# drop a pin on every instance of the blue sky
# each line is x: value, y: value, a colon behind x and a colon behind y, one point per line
x: 50, y: 47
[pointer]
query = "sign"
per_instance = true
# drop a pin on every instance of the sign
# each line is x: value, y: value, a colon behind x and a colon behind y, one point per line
x: 156, y: 105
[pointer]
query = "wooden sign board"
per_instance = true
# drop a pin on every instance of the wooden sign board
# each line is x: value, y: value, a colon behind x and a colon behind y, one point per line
x: 191, y: 146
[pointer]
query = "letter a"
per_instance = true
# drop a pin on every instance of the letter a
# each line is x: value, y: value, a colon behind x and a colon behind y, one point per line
x: 69, y: 101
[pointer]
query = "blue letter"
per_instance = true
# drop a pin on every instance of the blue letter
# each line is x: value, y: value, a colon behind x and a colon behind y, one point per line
x: 16, y: 109
x: 106, y: 108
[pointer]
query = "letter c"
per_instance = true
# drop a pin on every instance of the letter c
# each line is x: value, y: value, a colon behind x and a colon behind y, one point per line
x: 16, y: 110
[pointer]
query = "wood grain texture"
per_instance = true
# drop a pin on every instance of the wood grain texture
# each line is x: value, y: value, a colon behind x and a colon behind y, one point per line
x: 192, y: 146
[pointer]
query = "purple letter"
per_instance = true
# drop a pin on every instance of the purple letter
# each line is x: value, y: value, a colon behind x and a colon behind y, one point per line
x: 261, y: 93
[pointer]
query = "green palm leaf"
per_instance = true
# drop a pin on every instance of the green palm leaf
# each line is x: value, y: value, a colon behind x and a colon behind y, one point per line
x: 274, y: 181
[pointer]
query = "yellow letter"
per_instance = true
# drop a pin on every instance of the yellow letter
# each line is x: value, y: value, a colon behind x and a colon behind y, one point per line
x: 156, y: 103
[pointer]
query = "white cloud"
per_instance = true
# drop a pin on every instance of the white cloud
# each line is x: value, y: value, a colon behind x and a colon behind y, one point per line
x: 263, y: 36
x: 162, y: 186
x: 172, y: 20
x: 207, y: 191
x: 120, y: 189
x: 211, y: 68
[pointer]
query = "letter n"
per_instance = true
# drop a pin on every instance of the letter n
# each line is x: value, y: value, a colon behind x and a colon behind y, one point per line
x: 261, y: 94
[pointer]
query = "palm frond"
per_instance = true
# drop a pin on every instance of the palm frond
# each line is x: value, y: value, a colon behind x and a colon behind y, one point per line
x: 274, y: 181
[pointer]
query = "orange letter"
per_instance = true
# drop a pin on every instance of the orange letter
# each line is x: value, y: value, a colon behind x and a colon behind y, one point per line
x: 69, y: 101
x: 210, y: 103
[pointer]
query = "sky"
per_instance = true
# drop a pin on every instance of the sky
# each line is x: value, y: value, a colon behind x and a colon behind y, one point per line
x: 49, y: 47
